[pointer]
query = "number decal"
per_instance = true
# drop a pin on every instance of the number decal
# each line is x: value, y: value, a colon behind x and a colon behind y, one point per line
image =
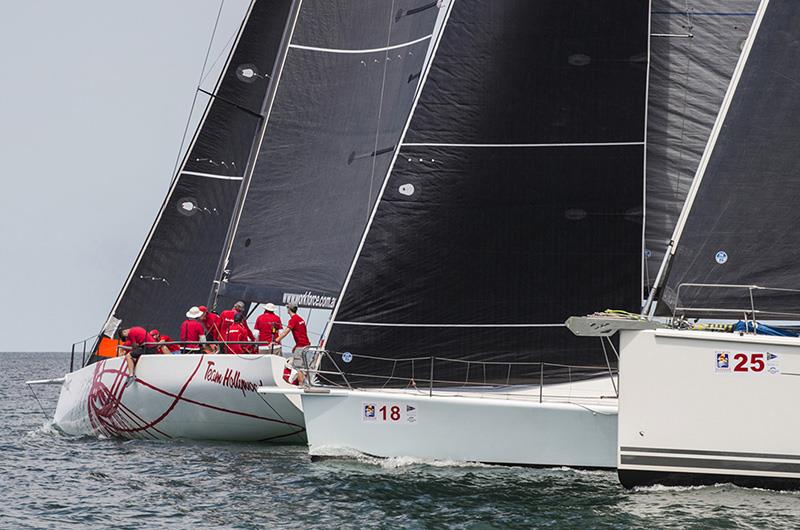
x: 389, y: 413
x: 747, y: 362
x: 741, y: 360
x: 757, y: 362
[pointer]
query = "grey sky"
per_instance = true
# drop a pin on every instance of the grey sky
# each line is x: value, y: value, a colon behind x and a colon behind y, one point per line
x: 95, y: 97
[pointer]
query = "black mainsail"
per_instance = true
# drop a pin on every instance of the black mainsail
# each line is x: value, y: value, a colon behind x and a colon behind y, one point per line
x: 177, y: 263
x: 693, y: 53
x: 739, y: 223
x: 517, y: 197
x: 343, y: 99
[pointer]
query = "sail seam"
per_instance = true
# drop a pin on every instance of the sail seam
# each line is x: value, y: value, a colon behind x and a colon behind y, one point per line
x: 364, y: 50
x: 568, y: 144
x: 416, y: 325
x: 210, y: 175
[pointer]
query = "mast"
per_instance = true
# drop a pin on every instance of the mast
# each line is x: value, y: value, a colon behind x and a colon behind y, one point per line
x: 266, y: 108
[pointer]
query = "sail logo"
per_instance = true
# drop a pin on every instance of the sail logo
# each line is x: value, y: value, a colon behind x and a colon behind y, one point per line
x: 308, y: 299
x: 231, y: 379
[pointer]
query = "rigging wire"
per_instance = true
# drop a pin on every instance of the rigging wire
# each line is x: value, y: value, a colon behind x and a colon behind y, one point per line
x: 199, y: 82
x: 380, y: 112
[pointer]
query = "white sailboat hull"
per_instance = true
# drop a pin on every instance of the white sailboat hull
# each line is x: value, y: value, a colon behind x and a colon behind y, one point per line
x: 454, y: 426
x: 203, y: 397
x: 685, y: 419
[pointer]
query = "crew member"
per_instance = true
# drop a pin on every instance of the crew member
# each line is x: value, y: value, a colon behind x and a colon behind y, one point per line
x: 300, y: 335
x: 268, y: 324
x: 141, y: 343
x: 192, y: 331
x: 227, y: 319
x: 164, y: 348
x: 212, y: 323
x: 238, y: 332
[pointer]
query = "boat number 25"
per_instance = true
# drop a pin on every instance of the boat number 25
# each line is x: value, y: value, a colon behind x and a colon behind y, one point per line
x: 753, y: 362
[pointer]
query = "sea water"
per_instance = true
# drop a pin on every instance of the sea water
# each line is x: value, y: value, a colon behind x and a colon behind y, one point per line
x: 50, y: 480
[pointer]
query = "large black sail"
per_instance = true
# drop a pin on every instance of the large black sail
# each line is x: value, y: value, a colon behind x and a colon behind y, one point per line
x: 693, y: 52
x: 343, y: 99
x: 516, y: 200
x: 177, y: 263
x: 741, y: 227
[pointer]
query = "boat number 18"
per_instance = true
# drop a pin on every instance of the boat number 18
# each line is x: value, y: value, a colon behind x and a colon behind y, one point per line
x: 389, y: 413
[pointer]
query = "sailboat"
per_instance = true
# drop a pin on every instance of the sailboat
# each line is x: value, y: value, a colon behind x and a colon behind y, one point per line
x: 517, y: 194
x: 268, y: 205
x: 709, y: 402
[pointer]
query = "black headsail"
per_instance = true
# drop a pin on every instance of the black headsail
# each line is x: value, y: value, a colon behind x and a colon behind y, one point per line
x: 517, y: 198
x: 343, y: 99
x: 740, y: 222
x: 694, y: 49
x: 177, y: 262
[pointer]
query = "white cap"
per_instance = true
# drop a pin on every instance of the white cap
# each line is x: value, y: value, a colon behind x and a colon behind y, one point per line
x: 194, y: 312
x: 271, y: 307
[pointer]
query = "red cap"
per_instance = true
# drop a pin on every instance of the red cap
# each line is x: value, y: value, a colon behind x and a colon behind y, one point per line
x: 203, y: 308
x: 154, y: 332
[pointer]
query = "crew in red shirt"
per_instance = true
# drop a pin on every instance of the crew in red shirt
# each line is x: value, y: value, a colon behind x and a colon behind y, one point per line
x: 136, y: 337
x: 238, y: 332
x: 268, y: 324
x: 166, y: 348
x: 300, y: 335
x: 212, y: 323
x: 192, y: 330
x: 227, y: 318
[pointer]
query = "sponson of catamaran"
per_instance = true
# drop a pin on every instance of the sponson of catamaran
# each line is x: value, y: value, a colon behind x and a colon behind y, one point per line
x: 709, y: 403
x: 310, y: 105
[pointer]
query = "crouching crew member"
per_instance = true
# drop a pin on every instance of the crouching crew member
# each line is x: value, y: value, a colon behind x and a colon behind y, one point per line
x: 192, y: 331
x: 141, y: 343
x: 238, y: 332
x: 300, y: 335
x: 166, y: 349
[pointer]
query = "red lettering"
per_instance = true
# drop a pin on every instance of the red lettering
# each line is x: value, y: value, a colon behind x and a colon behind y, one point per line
x: 757, y: 362
x: 741, y: 360
x: 383, y: 411
x: 395, y: 413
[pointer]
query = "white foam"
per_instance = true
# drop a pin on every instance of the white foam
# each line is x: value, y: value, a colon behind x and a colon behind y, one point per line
x: 392, y: 462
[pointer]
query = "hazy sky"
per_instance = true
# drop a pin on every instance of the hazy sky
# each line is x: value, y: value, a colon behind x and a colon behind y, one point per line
x: 95, y: 96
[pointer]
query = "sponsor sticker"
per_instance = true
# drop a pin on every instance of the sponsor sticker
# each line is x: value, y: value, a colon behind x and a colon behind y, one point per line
x: 723, y: 360
x: 369, y: 412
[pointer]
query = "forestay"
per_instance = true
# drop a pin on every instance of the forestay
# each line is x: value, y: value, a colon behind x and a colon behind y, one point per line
x: 343, y: 99
x: 176, y: 266
x: 517, y: 198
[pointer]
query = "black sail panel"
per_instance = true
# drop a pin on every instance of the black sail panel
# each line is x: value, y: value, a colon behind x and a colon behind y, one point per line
x: 177, y: 264
x: 343, y: 100
x: 742, y: 225
x: 516, y: 200
x: 693, y: 53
